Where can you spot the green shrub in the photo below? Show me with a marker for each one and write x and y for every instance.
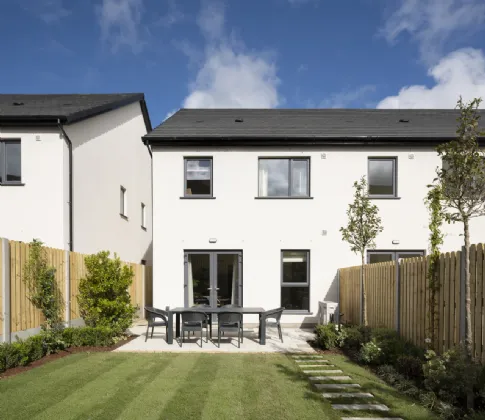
(370, 353)
(34, 348)
(326, 336)
(89, 336)
(103, 298)
(354, 338)
(52, 341)
(410, 366)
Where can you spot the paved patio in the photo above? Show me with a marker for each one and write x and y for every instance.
(294, 341)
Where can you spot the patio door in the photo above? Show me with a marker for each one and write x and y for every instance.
(213, 278)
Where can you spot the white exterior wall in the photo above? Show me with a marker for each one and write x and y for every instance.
(108, 152)
(262, 228)
(36, 209)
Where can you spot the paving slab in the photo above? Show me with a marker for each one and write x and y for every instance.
(372, 418)
(302, 362)
(329, 378)
(311, 372)
(315, 366)
(306, 356)
(358, 407)
(347, 395)
(336, 386)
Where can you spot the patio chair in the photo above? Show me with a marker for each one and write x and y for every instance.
(193, 321)
(153, 314)
(230, 321)
(273, 314)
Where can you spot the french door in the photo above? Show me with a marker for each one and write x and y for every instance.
(213, 278)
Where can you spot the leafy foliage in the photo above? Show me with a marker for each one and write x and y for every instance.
(42, 287)
(326, 336)
(104, 299)
(364, 224)
(370, 353)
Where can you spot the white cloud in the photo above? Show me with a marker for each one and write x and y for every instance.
(170, 113)
(229, 76)
(50, 11)
(347, 97)
(432, 23)
(174, 15)
(120, 24)
(460, 73)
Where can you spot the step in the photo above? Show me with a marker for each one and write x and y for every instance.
(303, 361)
(304, 357)
(372, 418)
(329, 378)
(311, 372)
(315, 366)
(349, 407)
(347, 395)
(336, 386)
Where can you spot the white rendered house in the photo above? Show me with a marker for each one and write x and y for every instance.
(74, 174)
(247, 204)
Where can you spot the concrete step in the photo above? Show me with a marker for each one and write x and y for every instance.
(307, 356)
(347, 395)
(311, 372)
(336, 386)
(372, 418)
(302, 362)
(315, 366)
(358, 407)
(329, 378)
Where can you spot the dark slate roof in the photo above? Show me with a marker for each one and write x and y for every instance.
(303, 124)
(69, 108)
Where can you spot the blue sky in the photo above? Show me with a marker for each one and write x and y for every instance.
(251, 53)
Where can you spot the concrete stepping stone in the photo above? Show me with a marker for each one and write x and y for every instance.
(315, 366)
(307, 357)
(336, 386)
(348, 407)
(329, 378)
(372, 418)
(347, 395)
(311, 372)
(303, 361)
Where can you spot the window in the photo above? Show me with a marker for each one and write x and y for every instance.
(284, 177)
(123, 202)
(382, 177)
(198, 177)
(10, 162)
(295, 284)
(376, 256)
(143, 216)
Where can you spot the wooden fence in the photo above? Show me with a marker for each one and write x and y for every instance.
(17, 312)
(399, 297)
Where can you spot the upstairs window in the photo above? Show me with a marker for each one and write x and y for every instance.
(198, 177)
(284, 177)
(10, 162)
(382, 177)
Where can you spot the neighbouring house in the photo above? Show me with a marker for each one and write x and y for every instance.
(248, 203)
(74, 174)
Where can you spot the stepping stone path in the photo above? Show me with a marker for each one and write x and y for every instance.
(338, 391)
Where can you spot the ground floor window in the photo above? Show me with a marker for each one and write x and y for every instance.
(377, 256)
(295, 280)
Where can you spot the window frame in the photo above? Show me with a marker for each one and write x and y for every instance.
(143, 216)
(394, 176)
(209, 158)
(123, 203)
(3, 163)
(290, 159)
(394, 252)
(293, 284)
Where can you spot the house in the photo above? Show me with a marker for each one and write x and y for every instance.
(74, 174)
(248, 203)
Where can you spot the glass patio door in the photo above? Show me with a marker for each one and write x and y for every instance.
(213, 278)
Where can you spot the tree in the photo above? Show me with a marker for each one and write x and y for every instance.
(462, 182)
(363, 226)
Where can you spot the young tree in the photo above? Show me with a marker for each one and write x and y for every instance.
(462, 182)
(362, 229)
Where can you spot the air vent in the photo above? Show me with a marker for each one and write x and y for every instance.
(403, 120)
(18, 104)
(239, 120)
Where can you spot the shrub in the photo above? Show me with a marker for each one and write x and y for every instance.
(326, 336)
(103, 298)
(410, 366)
(354, 338)
(370, 353)
(52, 341)
(89, 336)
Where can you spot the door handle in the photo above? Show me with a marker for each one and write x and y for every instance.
(217, 288)
(209, 288)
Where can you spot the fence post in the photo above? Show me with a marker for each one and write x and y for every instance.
(67, 270)
(361, 312)
(5, 255)
(398, 297)
(337, 318)
(462, 296)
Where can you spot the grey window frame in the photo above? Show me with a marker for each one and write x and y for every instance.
(143, 216)
(123, 202)
(394, 252)
(394, 175)
(3, 165)
(290, 159)
(306, 284)
(186, 159)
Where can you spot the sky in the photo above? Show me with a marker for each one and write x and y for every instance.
(248, 53)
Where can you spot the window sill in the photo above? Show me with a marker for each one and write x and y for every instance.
(123, 216)
(11, 184)
(289, 312)
(283, 198)
(383, 198)
(197, 198)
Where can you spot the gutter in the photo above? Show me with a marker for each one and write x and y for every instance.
(69, 145)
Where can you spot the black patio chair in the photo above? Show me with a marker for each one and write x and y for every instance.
(273, 314)
(193, 321)
(153, 314)
(230, 321)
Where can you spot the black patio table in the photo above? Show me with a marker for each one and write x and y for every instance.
(210, 311)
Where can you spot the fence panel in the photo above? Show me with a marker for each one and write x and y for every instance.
(350, 294)
(381, 292)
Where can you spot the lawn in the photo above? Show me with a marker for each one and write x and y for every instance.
(179, 386)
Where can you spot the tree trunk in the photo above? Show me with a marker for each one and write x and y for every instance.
(468, 312)
(364, 295)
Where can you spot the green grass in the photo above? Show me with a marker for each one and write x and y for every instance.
(180, 386)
